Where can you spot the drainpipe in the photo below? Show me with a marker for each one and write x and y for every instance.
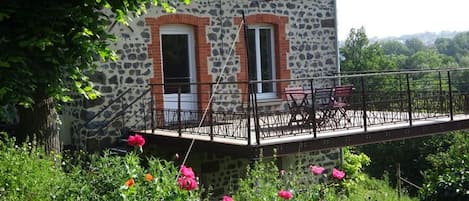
(337, 61)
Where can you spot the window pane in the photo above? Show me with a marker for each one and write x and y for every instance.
(175, 63)
(266, 59)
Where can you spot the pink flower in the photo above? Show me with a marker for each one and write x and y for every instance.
(316, 170)
(338, 174)
(136, 141)
(227, 198)
(285, 194)
(187, 172)
(187, 183)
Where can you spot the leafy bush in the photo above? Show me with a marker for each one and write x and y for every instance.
(264, 181)
(28, 173)
(448, 177)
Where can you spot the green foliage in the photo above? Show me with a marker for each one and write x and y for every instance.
(411, 154)
(28, 173)
(415, 45)
(53, 45)
(354, 163)
(261, 183)
(392, 47)
(430, 59)
(447, 179)
(371, 189)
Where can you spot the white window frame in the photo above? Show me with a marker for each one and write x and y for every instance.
(256, 28)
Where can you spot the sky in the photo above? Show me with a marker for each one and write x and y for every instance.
(383, 18)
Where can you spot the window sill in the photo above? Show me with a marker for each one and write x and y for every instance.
(267, 102)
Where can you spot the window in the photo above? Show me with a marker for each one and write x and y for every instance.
(262, 59)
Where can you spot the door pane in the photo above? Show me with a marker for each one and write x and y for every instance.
(266, 59)
(175, 63)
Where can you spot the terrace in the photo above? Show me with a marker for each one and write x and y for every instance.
(234, 117)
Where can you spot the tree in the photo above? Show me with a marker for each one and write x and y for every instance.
(414, 45)
(393, 47)
(446, 179)
(360, 56)
(429, 59)
(52, 46)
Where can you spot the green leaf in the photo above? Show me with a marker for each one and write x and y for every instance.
(4, 64)
(87, 32)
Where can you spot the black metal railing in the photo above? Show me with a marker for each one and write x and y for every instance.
(230, 110)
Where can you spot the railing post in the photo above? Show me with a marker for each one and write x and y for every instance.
(248, 113)
(440, 97)
(210, 111)
(409, 100)
(144, 114)
(362, 81)
(313, 108)
(256, 118)
(179, 112)
(451, 109)
(152, 108)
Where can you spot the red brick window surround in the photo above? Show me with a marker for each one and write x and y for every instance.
(202, 50)
(282, 46)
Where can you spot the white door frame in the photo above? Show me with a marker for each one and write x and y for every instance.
(188, 100)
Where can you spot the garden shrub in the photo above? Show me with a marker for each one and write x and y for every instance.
(448, 178)
(28, 173)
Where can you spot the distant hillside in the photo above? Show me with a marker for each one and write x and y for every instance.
(428, 38)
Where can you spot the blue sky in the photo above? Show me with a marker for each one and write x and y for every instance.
(382, 18)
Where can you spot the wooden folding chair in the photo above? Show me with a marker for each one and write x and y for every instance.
(323, 102)
(341, 96)
(297, 102)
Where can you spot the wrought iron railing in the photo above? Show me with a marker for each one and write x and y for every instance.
(230, 110)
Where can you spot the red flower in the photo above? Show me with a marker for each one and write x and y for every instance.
(285, 194)
(136, 141)
(316, 170)
(338, 174)
(187, 172)
(148, 177)
(187, 183)
(227, 198)
(129, 183)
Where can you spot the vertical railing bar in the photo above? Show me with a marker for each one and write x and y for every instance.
(440, 97)
(256, 118)
(409, 100)
(313, 108)
(122, 115)
(249, 114)
(365, 124)
(211, 111)
(152, 107)
(179, 112)
(144, 114)
(451, 109)
(401, 97)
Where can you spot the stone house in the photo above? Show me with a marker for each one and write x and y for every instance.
(287, 40)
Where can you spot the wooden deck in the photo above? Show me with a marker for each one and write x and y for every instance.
(306, 141)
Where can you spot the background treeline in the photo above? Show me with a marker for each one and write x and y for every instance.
(438, 164)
